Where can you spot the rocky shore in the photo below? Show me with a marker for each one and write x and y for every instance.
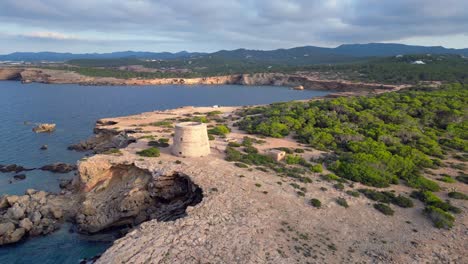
(208, 210)
(305, 81)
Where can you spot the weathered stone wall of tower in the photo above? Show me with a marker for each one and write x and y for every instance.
(191, 140)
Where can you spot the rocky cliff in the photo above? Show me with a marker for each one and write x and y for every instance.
(276, 79)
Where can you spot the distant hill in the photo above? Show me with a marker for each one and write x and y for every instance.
(60, 57)
(294, 56)
(389, 49)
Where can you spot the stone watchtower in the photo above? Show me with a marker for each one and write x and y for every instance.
(191, 140)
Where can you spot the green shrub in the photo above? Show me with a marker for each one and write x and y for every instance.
(298, 150)
(439, 217)
(293, 159)
(211, 137)
(458, 195)
(339, 186)
(250, 149)
(381, 197)
(113, 151)
(462, 178)
(353, 193)
(149, 152)
(316, 168)
(219, 130)
(315, 203)
(342, 202)
(214, 113)
(161, 143)
(163, 123)
(233, 154)
(430, 199)
(234, 144)
(447, 179)
(423, 184)
(287, 150)
(330, 177)
(403, 201)
(384, 209)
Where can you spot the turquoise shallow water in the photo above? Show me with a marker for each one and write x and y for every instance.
(75, 109)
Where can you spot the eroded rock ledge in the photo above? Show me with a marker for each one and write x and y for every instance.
(102, 196)
(307, 81)
(126, 195)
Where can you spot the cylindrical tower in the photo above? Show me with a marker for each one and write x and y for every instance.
(191, 140)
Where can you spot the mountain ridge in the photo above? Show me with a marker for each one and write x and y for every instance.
(320, 54)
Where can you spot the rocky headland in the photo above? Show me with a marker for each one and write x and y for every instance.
(209, 210)
(303, 80)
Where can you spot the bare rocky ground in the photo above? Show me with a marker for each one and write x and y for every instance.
(251, 216)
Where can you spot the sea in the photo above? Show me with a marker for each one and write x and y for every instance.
(75, 109)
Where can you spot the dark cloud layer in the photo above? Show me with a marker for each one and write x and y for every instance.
(216, 24)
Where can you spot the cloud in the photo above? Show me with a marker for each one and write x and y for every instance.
(213, 24)
(50, 35)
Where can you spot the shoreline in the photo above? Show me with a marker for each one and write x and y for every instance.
(304, 81)
(248, 206)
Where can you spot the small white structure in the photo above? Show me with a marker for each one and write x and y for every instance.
(420, 62)
(276, 154)
(191, 140)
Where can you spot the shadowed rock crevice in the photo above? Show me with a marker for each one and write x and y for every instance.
(173, 194)
(125, 195)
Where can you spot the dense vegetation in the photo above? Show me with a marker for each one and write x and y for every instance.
(401, 69)
(393, 70)
(379, 140)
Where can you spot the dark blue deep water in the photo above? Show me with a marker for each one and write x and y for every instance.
(75, 109)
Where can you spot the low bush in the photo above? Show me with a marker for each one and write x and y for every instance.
(315, 203)
(293, 159)
(330, 177)
(430, 199)
(160, 143)
(298, 150)
(353, 193)
(234, 144)
(439, 217)
(162, 124)
(339, 186)
(458, 195)
(113, 151)
(220, 130)
(384, 209)
(423, 184)
(462, 178)
(342, 202)
(381, 197)
(316, 168)
(287, 150)
(403, 201)
(250, 149)
(446, 179)
(149, 152)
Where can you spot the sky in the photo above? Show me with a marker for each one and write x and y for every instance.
(81, 26)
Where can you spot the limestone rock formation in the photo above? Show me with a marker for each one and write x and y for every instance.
(12, 168)
(124, 194)
(104, 140)
(35, 213)
(59, 167)
(43, 128)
